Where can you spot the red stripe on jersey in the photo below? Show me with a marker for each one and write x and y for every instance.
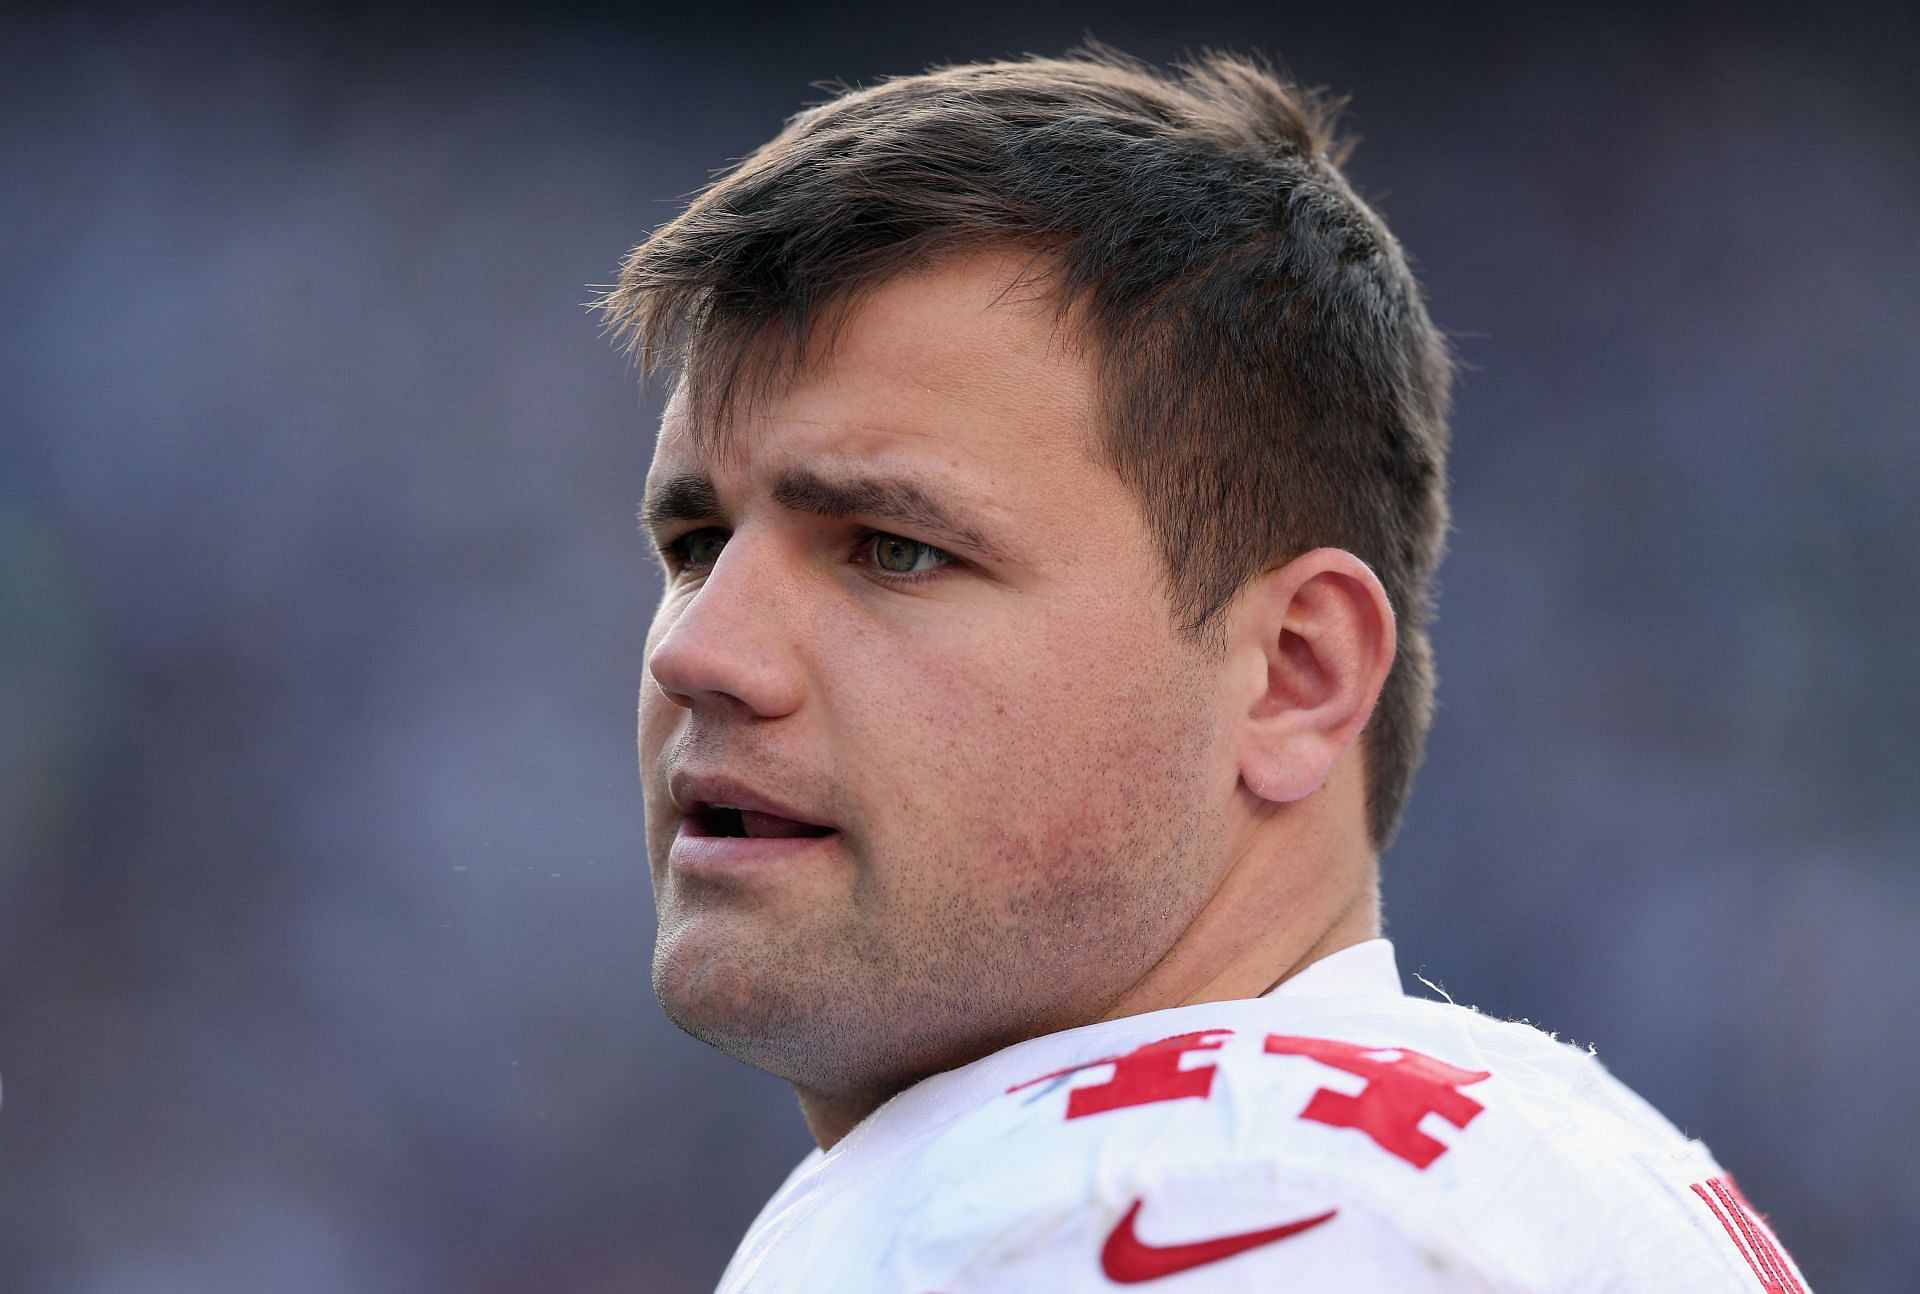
(1750, 1235)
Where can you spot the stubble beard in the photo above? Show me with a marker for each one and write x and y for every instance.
(912, 978)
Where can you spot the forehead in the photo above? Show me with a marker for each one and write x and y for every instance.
(965, 366)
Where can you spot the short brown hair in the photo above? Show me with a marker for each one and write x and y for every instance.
(1270, 381)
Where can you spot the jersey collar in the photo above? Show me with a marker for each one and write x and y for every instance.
(1360, 970)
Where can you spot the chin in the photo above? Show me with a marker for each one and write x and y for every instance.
(777, 1018)
(703, 983)
(733, 1002)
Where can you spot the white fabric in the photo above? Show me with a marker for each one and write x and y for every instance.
(1561, 1179)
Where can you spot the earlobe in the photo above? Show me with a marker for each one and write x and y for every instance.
(1323, 631)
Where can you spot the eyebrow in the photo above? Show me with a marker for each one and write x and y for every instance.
(686, 497)
(691, 497)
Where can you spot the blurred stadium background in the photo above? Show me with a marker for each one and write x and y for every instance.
(324, 921)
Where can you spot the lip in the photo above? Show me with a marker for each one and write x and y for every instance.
(694, 851)
(734, 854)
(695, 793)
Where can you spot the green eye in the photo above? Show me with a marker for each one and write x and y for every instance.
(700, 548)
(899, 556)
(891, 553)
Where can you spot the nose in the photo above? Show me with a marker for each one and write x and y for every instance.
(731, 644)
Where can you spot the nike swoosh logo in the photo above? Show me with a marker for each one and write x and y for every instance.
(1127, 1260)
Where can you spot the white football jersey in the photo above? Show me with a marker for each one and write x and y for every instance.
(1332, 1136)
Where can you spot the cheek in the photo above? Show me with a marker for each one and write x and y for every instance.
(939, 702)
(656, 718)
(657, 715)
(1030, 743)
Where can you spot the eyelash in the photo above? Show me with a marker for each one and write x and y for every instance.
(674, 553)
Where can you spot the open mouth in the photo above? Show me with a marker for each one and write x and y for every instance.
(751, 824)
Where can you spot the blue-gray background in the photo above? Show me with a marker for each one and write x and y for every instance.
(324, 921)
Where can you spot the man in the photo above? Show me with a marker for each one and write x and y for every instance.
(1049, 498)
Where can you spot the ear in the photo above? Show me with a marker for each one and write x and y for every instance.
(1315, 638)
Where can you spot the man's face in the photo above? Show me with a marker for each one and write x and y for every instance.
(910, 616)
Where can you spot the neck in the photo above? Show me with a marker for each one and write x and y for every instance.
(1277, 910)
(831, 1116)
(1303, 884)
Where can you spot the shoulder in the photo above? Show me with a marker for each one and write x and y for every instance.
(1384, 1142)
